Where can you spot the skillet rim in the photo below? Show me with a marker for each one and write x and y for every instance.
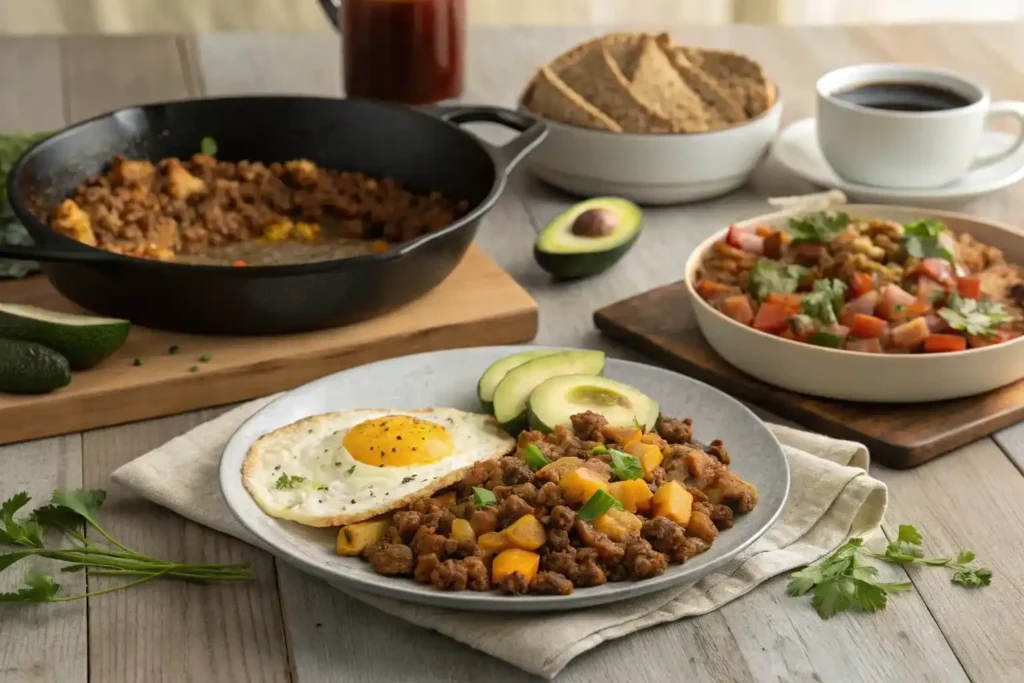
(32, 223)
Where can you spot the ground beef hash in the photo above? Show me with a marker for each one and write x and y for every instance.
(186, 207)
(575, 553)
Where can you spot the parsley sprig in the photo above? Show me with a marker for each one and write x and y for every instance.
(973, 316)
(921, 240)
(67, 513)
(844, 581)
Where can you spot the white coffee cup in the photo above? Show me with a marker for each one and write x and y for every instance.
(908, 149)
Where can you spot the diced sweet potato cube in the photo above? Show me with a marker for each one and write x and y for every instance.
(69, 219)
(634, 494)
(554, 471)
(492, 540)
(526, 533)
(673, 502)
(462, 530)
(125, 171)
(650, 456)
(621, 435)
(180, 183)
(617, 524)
(513, 560)
(354, 538)
(580, 484)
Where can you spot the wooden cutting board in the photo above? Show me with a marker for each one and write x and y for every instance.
(478, 304)
(661, 324)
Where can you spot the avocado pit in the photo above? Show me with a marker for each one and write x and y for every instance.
(595, 223)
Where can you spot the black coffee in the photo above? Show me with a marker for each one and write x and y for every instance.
(903, 97)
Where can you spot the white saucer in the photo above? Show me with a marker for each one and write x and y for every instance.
(797, 149)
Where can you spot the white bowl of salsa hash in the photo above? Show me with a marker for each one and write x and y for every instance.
(869, 303)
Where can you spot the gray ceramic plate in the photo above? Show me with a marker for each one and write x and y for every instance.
(448, 378)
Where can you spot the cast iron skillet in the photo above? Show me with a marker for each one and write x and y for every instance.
(425, 149)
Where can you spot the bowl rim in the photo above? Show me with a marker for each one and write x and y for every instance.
(696, 257)
(675, 137)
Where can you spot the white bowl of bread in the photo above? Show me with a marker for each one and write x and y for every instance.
(637, 116)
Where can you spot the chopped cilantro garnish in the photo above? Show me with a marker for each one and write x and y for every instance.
(137, 362)
(770, 277)
(208, 146)
(286, 482)
(173, 349)
(817, 227)
(205, 358)
(974, 317)
(832, 341)
(625, 466)
(921, 240)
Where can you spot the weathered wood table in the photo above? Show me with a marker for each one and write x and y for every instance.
(287, 626)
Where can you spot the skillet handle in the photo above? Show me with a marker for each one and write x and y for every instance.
(45, 255)
(532, 131)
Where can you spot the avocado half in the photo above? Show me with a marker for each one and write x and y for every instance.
(567, 249)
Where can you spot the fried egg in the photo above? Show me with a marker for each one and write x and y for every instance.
(344, 467)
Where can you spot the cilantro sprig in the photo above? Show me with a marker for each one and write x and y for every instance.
(844, 581)
(921, 240)
(974, 317)
(73, 514)
(821, 227)
(825, 300)
(771, 277)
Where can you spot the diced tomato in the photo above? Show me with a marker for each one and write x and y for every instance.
(867, 326)
(762, 231)
(944, 343)
(791, 301)
(929, 291)
(745, 240)
(969, 287)
(808, 253)
(910, 311)
(937, 269)
(708, 288)
(861, 283)
(738, 307)
(838, 330)
(977, 342)
(909, 334)
(893, 296)
(864, 345)
(771, 318)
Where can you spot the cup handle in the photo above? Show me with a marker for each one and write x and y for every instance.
(331, 9)
(997, 110)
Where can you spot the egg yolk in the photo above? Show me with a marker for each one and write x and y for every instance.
(398, 441)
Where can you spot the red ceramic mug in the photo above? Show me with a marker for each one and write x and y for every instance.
(408, 51)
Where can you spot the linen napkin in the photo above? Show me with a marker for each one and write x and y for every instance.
(831, 498)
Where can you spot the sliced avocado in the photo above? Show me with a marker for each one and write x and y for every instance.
(497, 371)
(555, 399)
(83, 339)
(588, 238)
(513, 391)
(30, 368)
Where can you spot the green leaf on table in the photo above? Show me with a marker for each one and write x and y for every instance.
(84, 502)
(39, 587)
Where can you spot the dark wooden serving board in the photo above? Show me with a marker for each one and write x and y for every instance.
(661, 324)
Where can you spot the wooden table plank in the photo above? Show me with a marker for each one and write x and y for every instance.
(47, 642)
(166, 631)
(40, 643)
(170, 630)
